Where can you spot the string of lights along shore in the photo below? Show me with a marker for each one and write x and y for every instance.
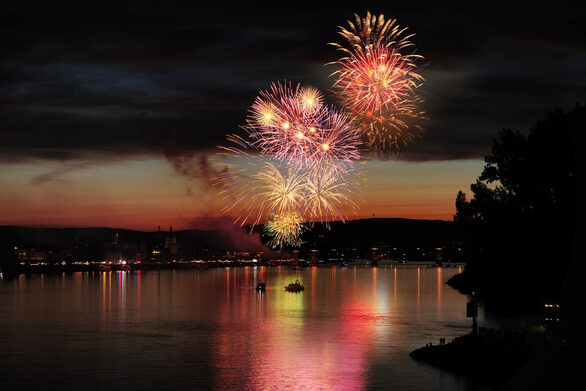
(297, 159)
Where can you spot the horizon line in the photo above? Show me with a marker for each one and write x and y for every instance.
(199, 229)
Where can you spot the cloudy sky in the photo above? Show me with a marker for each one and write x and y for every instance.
(98, 99)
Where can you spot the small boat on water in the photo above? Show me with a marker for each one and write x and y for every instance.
(294, 287)
(260, 285)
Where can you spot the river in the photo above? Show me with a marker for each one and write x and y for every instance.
(350, 329)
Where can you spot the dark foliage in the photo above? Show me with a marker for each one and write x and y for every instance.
(522, 216)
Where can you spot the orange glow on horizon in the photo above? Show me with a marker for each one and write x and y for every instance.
(144, 194)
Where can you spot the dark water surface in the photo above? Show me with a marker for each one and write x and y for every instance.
(351, 329)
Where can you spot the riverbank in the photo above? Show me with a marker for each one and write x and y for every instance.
(531, 359)
(43, 267)
(490, 357)
(102, 267)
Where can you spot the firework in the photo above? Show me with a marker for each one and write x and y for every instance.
(297, 163)
(285, 229)
(392, 129)
(377, 82)
(330, 193)
(276, 192)
(310, 99)
(373, 30)
(293, 125)
(255, 188)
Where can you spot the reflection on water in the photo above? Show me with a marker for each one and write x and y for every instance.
(350, 329)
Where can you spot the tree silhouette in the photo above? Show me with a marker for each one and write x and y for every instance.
(522, 214)
(464, 212)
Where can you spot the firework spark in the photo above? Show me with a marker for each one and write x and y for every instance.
(293, 125)
(285, 229)
(392, 129)
(373, 30)
(377, 82)
(330, 193)
(255, 188)
(298, 163)
(277, 192)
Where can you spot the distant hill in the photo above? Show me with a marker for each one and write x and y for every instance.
(393, 231)
(383, 230)
(356, 236)
(35, 237)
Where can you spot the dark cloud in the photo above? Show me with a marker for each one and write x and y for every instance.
(123, 78)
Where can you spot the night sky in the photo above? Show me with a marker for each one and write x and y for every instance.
(107, 108)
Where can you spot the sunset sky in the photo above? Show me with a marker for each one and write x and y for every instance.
(96, 102)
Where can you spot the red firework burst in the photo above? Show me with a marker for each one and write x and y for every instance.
(293, 125)
(375, 80)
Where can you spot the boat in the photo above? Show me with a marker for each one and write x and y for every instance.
(294, 287)
(260, 285)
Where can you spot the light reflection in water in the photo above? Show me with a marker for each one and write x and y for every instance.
(349, 329)
(418, 288)
(137, 274)
(395, 281)
(122, 293)
(440, 285)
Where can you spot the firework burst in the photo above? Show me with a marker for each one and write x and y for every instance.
(276, 192)
(293, 125)
(285, 229)
(253, 187)
(373, 30)
(296, 164)
(376, 82)
(329, 193)
(393, 129)
(256, 189)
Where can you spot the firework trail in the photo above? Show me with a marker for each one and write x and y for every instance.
(377, 83)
